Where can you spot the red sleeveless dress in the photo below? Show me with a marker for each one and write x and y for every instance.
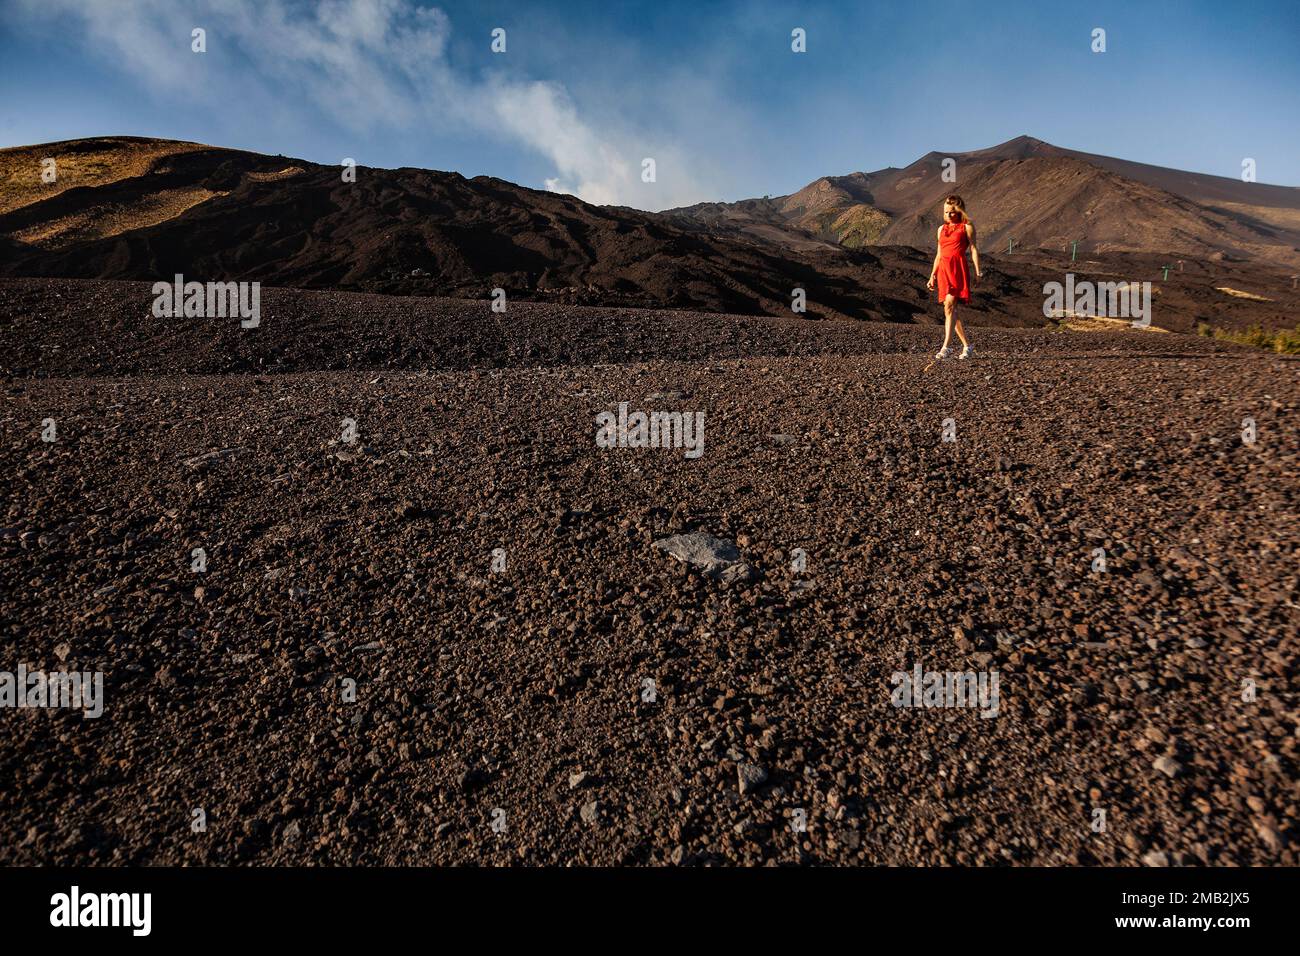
(952, 276)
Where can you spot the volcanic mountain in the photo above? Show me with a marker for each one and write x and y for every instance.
(129, 208)
(1037, 195)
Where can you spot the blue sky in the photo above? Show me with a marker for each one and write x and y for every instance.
(711, 91)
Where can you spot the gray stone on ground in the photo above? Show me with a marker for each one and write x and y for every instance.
(716, 557)
(750, 776)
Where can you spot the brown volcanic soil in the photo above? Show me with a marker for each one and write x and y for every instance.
(81, 163)
(479, 691)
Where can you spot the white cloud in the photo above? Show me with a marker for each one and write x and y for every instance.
(541, 116)
(369, 65)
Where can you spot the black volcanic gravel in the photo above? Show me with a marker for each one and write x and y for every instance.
(74, 328)
(525, 690)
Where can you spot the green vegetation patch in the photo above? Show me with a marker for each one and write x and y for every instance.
(1284, 341)
(860, 225)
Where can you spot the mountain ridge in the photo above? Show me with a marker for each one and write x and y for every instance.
(134, 208)
(1144, 208)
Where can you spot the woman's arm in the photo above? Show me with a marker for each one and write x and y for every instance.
(974, 249)
(938, 251)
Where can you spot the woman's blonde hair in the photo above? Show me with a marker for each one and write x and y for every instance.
(959, 203)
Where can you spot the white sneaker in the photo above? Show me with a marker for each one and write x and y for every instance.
(967, 352)
(943, 353)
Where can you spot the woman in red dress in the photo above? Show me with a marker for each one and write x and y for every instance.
(956, 235)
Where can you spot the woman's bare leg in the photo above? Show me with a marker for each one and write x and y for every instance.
(949, 308)
(961, 333)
